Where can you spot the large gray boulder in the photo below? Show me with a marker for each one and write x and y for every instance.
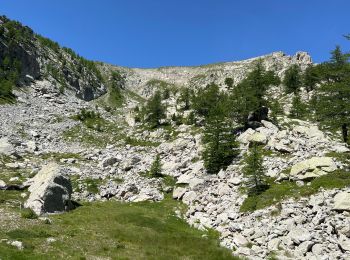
(342, 201)
(50, 191)
(6, 147)
(312, 168)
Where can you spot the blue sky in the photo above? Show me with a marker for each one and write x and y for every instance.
(153, 33)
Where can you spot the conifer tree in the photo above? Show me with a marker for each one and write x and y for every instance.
(292, 79)
(299, 108)
(229, 82)
(333, 97)
(254, 170)
(249, 94)
(185, 97)
(156, 168)
(155, 110)
(220, 143)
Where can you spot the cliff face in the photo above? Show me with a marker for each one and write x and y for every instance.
(40, 58)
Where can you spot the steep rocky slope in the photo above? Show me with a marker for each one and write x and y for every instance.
(145, 81)
(306, 218)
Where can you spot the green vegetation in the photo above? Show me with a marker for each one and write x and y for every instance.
(29, 214)
(288, 189)
(115, 97)
(299, 108)
(333, 96)
(156, 168)
(185, 98)
(293, 79)
(248, 95)
(255, 171)
(220, 144)
(122, 230)
(206, 99)
(229, 83)
(91, 119)
(154, 110)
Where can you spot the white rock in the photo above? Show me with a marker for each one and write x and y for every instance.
(188, 197)
(179, 192)
(342, 201)
(258, 138)
(239, 240)
(2, 184)
(299, 234)
(50, 191)
(273, 244)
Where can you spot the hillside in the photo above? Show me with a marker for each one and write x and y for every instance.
(131, 155)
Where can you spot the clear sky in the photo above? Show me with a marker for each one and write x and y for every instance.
(153, 33)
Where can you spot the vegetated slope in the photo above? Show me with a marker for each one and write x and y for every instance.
(174, 126)
(26, 56)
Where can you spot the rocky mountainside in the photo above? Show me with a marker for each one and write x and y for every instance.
(49, 136)
(146, 81)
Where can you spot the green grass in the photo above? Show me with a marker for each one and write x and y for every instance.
(116, 230)
(288, 189)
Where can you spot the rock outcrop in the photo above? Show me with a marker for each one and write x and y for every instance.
(50, 191)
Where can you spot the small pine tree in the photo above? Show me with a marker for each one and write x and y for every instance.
(229, 82)
(185, 97)
(299, 109)
(254, 170)
(220, 142)
(155, 110)
(156, 168)
(292, 79)
(275, 110)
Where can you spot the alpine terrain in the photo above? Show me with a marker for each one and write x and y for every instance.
(236, 160)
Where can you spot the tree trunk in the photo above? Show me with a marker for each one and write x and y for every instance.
(344, 128)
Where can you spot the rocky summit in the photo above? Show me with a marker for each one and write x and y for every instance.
(77, 135)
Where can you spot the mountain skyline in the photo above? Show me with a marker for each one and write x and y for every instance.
(162, 33)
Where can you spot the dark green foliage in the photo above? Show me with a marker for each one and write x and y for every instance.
(292, 79)
(275, 110)
(248, 95)
(49, 43)
(333, 97)
(299, 108)
(311, 77)
(229, 82)
(156, 168)
(115, 96)
(185, 97)
(255, 171)
(206, 99)
(166, 93)
(155, 110)
(91, 119)
(220, 143)
(10, 70)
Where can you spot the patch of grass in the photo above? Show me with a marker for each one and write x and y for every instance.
(143, 230)
(28, 213)
(288, 189)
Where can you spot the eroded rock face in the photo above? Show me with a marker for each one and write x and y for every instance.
(50, 191)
